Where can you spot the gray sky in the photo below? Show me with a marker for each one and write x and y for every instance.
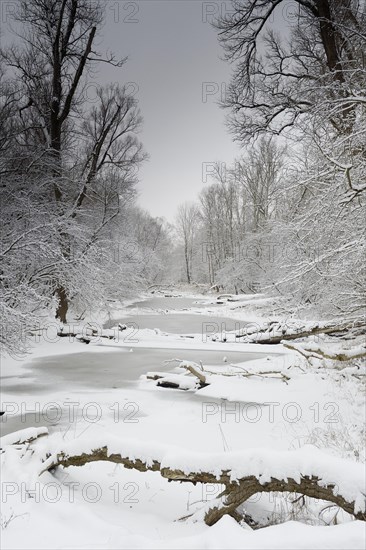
(175, 70)
(173, 51)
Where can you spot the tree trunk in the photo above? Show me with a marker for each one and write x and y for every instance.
(63, 304)
(187, 266)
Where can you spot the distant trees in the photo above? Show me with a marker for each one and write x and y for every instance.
(235, 207)
(187, 226)
(261, 176)
(294, 235)
(222, 216)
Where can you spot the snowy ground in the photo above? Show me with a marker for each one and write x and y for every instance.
(98, 391)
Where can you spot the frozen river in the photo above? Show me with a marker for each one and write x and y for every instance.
(121, 367)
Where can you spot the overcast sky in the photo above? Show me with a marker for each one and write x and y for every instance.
(175, 69)
(173, 51)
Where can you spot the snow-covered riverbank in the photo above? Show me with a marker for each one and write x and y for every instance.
(99, 391)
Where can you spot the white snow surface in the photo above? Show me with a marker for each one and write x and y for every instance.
(209, 429)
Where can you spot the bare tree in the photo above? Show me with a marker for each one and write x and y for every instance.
(280, 82)
(186, 223)
(51, 68)
(307, 84)
(260, 175)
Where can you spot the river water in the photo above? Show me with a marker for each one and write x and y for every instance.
(121, 368)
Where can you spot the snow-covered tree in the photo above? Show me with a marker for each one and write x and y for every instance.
(84, 158)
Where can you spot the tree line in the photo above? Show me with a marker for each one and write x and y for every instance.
(288, 218)
(72, 235)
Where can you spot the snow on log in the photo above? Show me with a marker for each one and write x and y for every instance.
(181, 381)
(22, 436)
(312, 350)
(86, 333)
(307, 471)
(203, 377)
(177, 381)
(275, 332)
(196, 370)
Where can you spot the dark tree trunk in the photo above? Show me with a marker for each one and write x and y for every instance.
(186, 254)
(57, 117)
(63, 304)
(329, 38)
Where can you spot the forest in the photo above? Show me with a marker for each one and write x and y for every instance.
(249, 294)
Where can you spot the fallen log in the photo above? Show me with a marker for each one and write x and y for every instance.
(82, 338)
(179, 382)
(155, 375)
(174, 381)
(308, 472)
(86, 333)
(309, 351)
(170, 385)
(275, 332)
(196, 371)
(22, 437)
(193, 368)
(307, 486)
